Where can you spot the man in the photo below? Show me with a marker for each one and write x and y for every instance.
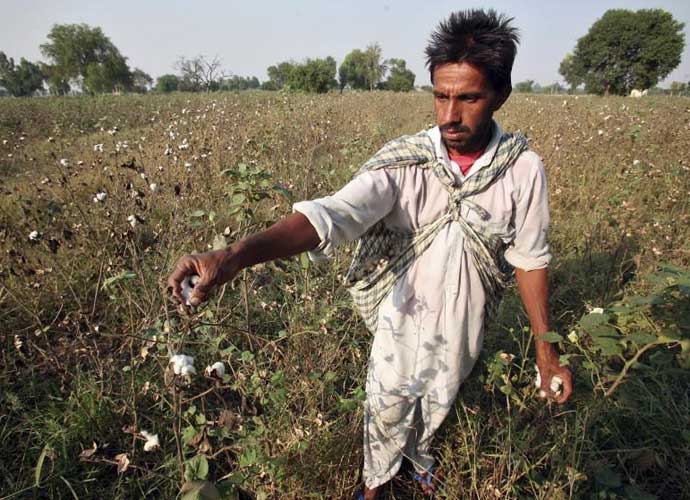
(438, 215)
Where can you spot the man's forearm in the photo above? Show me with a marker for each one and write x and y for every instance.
(290, 236)
(534, 290)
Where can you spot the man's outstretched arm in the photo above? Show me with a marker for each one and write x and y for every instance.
(290, 236)
(534, 291)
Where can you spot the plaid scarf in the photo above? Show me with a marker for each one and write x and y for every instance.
(383, 255)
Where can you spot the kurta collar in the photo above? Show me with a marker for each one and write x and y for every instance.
(442, 153)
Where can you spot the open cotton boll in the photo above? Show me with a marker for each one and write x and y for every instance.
(188, 284)
(188, 370)
(179, 361)
(217, 369)
(152, 441)
(556, 384)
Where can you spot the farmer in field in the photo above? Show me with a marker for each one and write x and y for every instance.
(441, 217)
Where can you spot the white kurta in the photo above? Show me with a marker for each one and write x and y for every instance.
(431, 325)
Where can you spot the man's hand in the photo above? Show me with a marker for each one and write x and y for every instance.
(549, 367)
(534, 290)
(213, 268)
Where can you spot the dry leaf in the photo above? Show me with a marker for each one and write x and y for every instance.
(122, 462)
(89, 451)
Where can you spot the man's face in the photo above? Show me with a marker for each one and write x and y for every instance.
(464, 101)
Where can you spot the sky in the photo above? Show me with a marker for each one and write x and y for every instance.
(249, 36)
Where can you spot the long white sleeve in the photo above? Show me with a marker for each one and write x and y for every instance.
(348, 213)
(530, 249)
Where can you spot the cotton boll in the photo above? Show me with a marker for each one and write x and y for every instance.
(34, 235)
(217, 369)
(180, 361)
(153, 187)
(188, 284)
(556, 385)
(188, 370)
(152, 441)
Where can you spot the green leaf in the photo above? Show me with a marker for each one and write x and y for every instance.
(124, 275)
(39, 466)
(200, 490)
(188, 434)
(197, 213)
(550, 337)
(196, 468)
(284, 191)
(591, 320)
(641, 338)
(238, 199)
(304, 260)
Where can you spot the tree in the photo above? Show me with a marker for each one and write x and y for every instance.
(167, 83)
(362, 69)
(141, 81)
(679, 88)
(525, 87)
(352, 71)
(20, 80)
(199, 73)
(554, 88)
(83, 54)
(110, 75)
(625, 50)
(278, 75)
(400, 79)
(240, 83)
(314, 75)
(374, 68)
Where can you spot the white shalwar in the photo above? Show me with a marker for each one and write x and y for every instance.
(431, 325)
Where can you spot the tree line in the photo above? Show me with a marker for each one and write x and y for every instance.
(622, 51)
(82, 58)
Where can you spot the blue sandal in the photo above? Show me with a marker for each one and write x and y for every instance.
(426, 479)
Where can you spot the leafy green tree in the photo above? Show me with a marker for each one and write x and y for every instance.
(141, 81)
(279, 74)
(314, 75)
(525, 87)
(352, 71)
(167, 83)
(240, 83)
(400, 79)
(22, 79)
(362, 69)
(625, 50)
(79, 52)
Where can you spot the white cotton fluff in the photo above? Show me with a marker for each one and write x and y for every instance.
(217, 369)
(34, 235)
(132, 220)
(153, 187)
(556, 384)
(152, 441)
(179, 361)
(100, 197)
(188, 284)
(188, 370)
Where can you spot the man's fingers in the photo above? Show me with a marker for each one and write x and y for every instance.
(183, 268)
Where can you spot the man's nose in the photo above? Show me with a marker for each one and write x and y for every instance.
(452, 112)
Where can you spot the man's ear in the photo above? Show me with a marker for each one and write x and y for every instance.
(502, 96)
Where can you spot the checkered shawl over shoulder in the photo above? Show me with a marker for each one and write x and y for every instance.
(383, 255)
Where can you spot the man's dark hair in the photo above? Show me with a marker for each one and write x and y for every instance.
(482, 38)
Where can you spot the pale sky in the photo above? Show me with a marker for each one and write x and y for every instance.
(249, 36)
